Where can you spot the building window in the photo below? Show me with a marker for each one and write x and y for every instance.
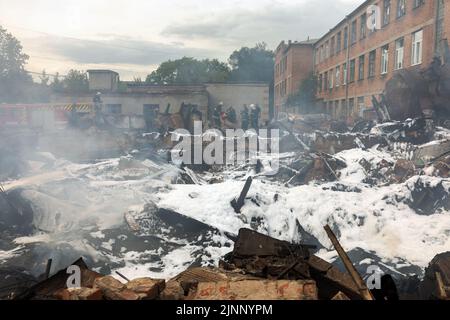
(338, 42)
(416, 55)
(332, 48)
(401, 8)
(353, 39)
(331, 79)
(114, 108)
(320, 83)
(384, 59)
(399, 53)
(418, 3)
(344, 72)
(338, 76)
(345, 37)
(361, 106)
(336, 107)
(372, 57)
(363, 26)
(386, 12)
(373, 20)
(351, 106)
(325, 82)
(343, 107)
(361, 62)
(327, 50)
(352, 71)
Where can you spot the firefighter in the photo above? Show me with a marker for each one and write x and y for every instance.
(245, 118)
(231, 115)
(217, 115)
(255, 111)
(97, 108)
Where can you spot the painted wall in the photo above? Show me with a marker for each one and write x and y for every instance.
(236, 95)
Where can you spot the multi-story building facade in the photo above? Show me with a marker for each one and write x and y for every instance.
(293, 64)
(355, 59)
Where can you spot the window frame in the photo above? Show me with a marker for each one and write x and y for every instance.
(401, 13)
(361, 63)
(354, 32)
(397, 65)
(387, 12)
(415, 59)
(418, 3)
(344, 74)
(363, 26)
(352, 70)
(372, 63)
(384, 59)
(338, 42)
(338, 76)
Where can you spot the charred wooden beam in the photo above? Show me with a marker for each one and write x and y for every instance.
(48, 268)
(362, 288)
(122, 276)
(239, 203)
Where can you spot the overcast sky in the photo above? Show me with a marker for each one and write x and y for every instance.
(134, 36)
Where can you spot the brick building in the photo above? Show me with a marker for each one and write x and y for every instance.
(354, 60)
(293, 64)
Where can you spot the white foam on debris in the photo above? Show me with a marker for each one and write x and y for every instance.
(99, 194)
(8, 254)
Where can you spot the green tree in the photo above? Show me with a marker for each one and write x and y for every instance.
(304, 99)
(252, 64)
(189, 71)
(14, 80)
(57, 85)
(76, 82)
(44, 78)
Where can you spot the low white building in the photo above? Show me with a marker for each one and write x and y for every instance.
(135, 98)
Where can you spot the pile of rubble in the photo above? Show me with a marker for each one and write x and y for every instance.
(404, 164)
(259, 268)
(416, 147)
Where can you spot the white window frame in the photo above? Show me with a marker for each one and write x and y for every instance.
(345, 73)
(338, 76)
(417, 48)
(399, 54)
(384, 59)
(331, 73)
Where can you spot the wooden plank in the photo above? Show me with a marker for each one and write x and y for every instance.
(362, 288)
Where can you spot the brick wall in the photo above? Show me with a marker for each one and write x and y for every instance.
(293, 64)
(338, 99)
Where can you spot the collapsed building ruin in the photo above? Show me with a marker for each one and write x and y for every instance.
(114, 198)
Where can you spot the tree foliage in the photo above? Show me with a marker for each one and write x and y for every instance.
(14, 80)
(189, 71)
(75, 82)
(252, 64)
(45, 79)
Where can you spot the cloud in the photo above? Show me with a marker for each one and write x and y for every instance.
(118, 50)
(270, 23)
